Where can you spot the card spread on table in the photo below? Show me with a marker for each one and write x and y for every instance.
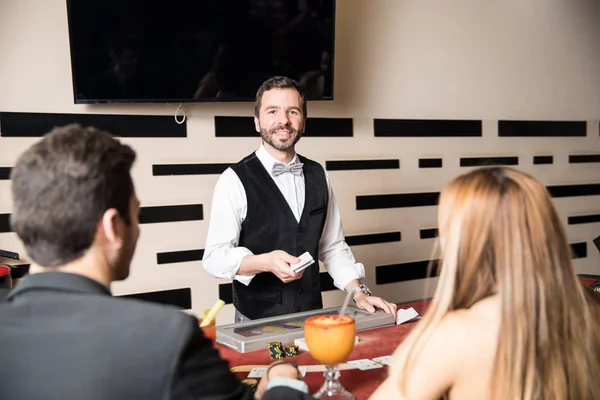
(257, 372)
(384, 360)
(365, 364)
(306, 260)
(403, 315)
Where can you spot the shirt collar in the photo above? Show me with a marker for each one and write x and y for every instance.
(268, 160)
(59, 281)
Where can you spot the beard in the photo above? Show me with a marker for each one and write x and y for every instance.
(272, 138)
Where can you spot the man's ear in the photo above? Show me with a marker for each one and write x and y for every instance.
(256, 124)
(112, 225)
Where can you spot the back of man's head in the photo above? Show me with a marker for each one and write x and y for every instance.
(61, 187)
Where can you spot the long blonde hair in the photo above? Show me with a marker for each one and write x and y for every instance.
(499, 233)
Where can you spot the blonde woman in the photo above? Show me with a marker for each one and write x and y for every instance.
(509, 318)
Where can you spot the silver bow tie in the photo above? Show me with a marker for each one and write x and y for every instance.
(295, 169)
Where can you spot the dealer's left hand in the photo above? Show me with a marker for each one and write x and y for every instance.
(370, 303)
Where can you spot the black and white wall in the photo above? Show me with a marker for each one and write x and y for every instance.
(424, 91)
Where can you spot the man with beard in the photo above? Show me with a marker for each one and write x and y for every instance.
(65, 336)
(270, 208)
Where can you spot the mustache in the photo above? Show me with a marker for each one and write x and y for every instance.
(281, 126)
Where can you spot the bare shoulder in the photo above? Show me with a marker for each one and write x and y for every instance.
(459, 336)
(452, 337)
(462, 342)
(482, 313)
(468, 327)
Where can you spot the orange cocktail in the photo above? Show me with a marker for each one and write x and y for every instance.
(330, 340)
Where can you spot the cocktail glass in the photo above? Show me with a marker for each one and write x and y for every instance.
(330, 340)
(210, 331)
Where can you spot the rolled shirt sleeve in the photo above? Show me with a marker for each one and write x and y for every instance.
(222, 256)
(333, 249)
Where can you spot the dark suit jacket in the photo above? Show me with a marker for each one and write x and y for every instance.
(63, 336)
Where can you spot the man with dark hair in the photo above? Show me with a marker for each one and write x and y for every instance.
(272, 207)
(65, 336)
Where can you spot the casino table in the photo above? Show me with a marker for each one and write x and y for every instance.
(372, 343)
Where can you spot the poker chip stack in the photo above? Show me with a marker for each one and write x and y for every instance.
(277, 351)
(291, 350)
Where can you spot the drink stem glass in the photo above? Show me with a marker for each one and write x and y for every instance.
(332, 386)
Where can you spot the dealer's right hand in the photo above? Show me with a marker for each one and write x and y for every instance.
(278, 262)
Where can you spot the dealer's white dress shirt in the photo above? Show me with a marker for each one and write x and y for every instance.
(222, 254)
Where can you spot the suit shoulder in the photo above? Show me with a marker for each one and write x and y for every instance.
(148, 313)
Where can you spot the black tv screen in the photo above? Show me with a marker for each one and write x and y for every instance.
(198, 50)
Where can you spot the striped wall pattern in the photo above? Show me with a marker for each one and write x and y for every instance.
(396, 131)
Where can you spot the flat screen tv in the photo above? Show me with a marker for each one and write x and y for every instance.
(173, 51)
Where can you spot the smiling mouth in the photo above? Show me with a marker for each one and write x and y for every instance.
(283, 133)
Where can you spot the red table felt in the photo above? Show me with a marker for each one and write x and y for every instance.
(588, 280)
(372, 343)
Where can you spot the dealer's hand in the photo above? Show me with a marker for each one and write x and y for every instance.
(369, 303)
(278, 262)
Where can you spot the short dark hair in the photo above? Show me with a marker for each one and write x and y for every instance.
(279, 82)
(61, 187)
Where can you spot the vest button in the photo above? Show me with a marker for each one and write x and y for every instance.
(300, 230)
(299, 290)
(302, 250)
(298, 308)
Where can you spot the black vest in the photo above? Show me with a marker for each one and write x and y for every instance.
(271, 225)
